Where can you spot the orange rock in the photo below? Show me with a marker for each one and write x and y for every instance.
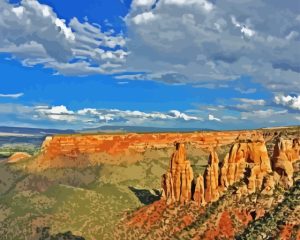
(168, 187)
(269, 185)
(212, 178)
(177, 182)
(223, 180)
(18, 156)
(91, 149)
(199, 191)
(285, 153)
(182, 174)
(252, 155)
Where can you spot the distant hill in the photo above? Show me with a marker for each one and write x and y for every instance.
(139, 129)
(15, 131)
(33, 131)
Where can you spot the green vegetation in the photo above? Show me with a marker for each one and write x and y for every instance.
(9, 149)
(88, 202)
(44, 234)
(269, 225)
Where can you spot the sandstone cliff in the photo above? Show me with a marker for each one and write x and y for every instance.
(90, 149)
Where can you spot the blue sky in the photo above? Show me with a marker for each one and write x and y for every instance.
(165, 63)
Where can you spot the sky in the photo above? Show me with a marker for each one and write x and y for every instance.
(231, 64)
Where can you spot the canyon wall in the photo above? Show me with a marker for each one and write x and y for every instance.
(90, 149)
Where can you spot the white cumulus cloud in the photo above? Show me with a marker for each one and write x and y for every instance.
(292, 102)
(33, 33)
(173, 41)
(223, 42)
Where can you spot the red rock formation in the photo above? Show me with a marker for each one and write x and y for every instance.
(212, 178)
(90, 149)
(177, 182)
(18, 156)
(258, 156)
(251, 155)
(235, 164)
(199, 191)
(168, 187)
(285, 153)
(223, 175)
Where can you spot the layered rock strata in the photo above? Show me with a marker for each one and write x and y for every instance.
(90, 149)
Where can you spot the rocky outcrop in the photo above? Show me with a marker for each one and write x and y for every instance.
(223, 174)
(269, 185)
(80, 150)
(247, 160)
(18, 156)
(250, 158)
(168, 187)
(260, 165)
(253, 197)
(199, 191)
(212, 178)
(177, 182)
(234, 164)
(286, 152)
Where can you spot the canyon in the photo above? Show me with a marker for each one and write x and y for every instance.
(199, 185)
(242, 187)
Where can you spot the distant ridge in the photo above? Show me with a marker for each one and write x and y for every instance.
(140, 129)
(33, 131)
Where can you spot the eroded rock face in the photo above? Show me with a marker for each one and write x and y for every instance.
(79, 150)
(234, 164)
(223, 178)
(247, 164)
(286, 152)
(199, 191)
(168, 187)
(251, 156)
(212, 178)
(258, 156)
(177, 182)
